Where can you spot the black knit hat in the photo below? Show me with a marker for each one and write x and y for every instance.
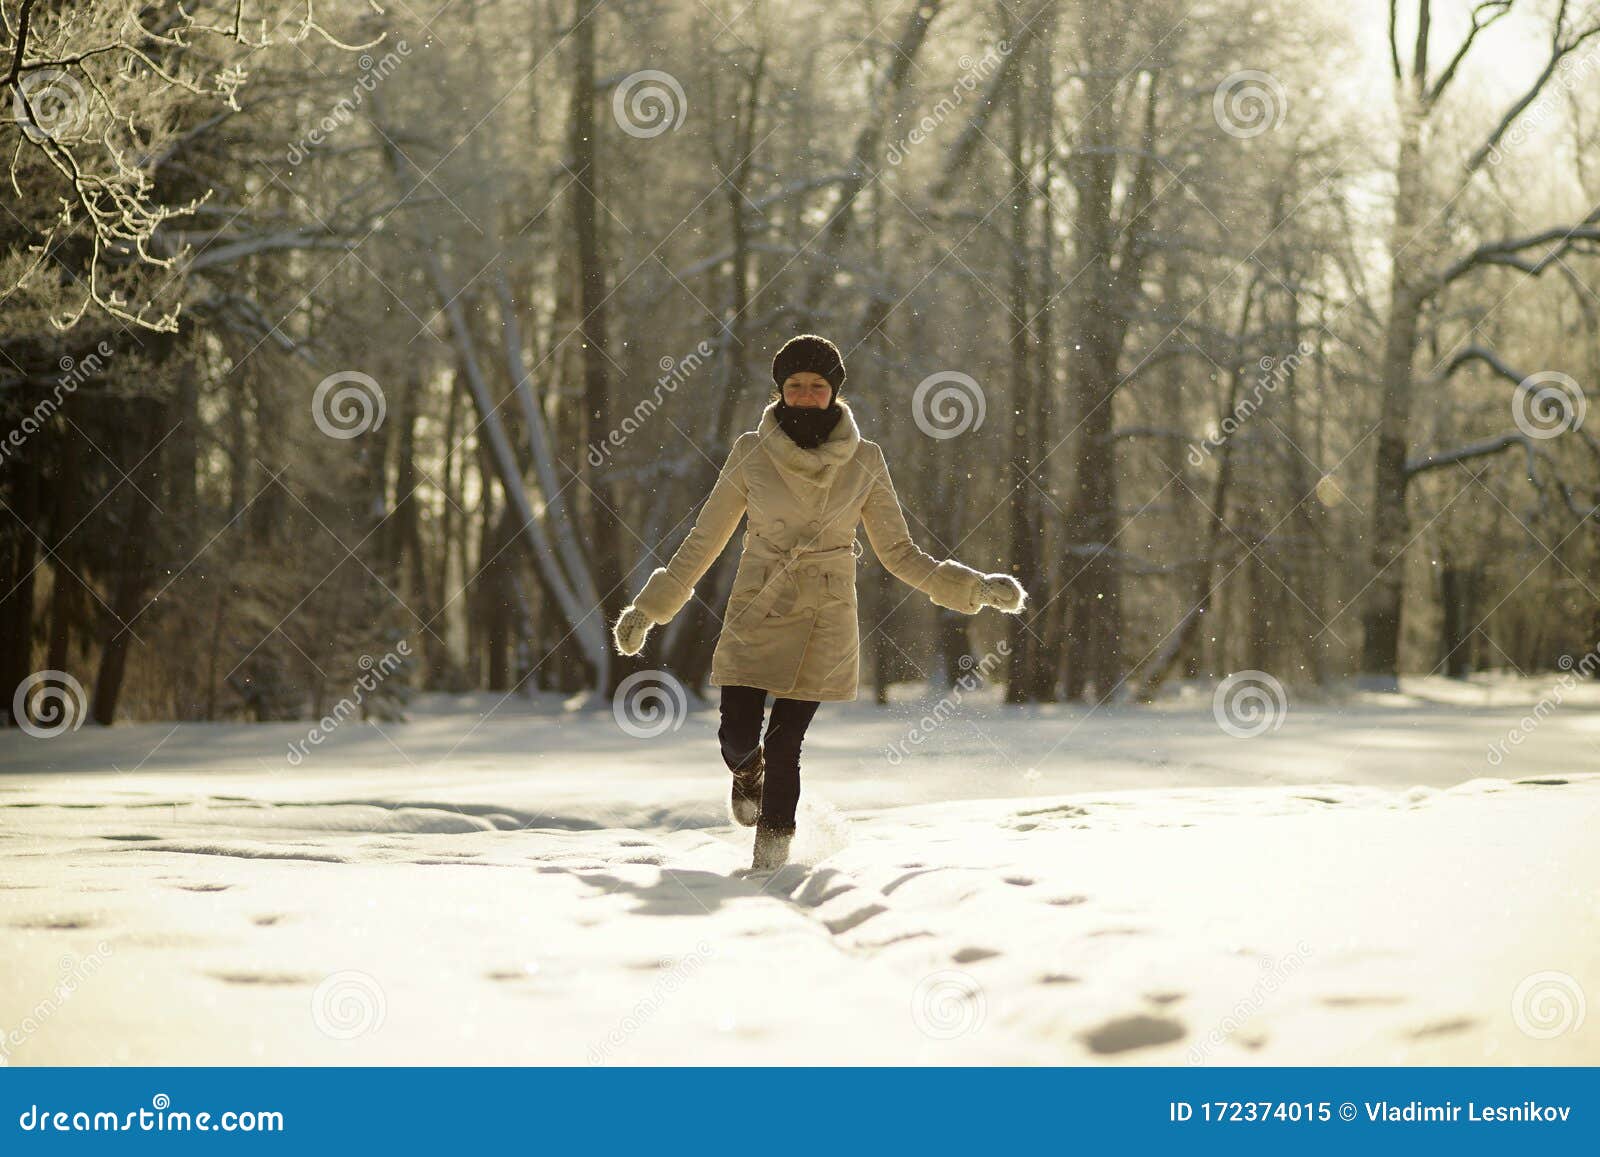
(809, 353)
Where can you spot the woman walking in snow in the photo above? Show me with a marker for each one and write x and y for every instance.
(806, 477)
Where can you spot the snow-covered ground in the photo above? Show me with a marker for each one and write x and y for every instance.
(1363, 884)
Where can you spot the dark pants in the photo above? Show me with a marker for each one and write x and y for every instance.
(740, 735)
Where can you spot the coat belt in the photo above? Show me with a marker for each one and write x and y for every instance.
(764, 548)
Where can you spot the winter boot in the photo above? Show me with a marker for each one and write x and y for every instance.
(772, 847)
(744, 804)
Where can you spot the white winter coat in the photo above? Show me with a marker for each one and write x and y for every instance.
(791, 622)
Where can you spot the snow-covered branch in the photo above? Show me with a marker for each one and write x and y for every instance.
(1439, 459)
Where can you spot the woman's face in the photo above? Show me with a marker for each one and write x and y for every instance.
(807, 389)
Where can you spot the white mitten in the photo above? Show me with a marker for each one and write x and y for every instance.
(1002, 592)
(630, 630)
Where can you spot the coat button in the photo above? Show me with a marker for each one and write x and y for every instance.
(812, 569)
(813, 526)
(777, 524)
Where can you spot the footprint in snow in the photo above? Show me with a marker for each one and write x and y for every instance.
(1125, 1033)
(276, 979)
(973, 955)
(55, 924)
(1360, 1001)
(854, 919)
(1442, 1028)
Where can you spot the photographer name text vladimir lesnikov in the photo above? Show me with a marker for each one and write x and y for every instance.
(1413, 1111)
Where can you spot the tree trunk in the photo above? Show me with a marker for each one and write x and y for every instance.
(1108, 286)
(1024, 515)
(1457, 598)
(1381, 617)
(604, 536)
(16, 609)
(132, 578)
(1040, 678)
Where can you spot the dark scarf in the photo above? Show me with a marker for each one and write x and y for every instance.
(807, 426)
